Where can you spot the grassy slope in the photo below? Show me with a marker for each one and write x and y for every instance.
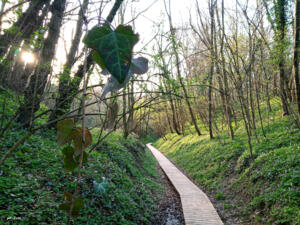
(33, 180)
(268, 189)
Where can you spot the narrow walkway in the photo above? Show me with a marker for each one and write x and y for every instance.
(197, 208)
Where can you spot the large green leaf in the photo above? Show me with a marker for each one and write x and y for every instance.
(114, 48)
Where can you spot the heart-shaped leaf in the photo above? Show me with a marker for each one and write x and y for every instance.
(77, 138)
(77, 206)
(64, 131)
(98, 60)
(70, 160)
(114, 48)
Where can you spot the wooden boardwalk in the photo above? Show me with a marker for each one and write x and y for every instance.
(197, 208)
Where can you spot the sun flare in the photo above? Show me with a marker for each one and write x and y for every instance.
(28, 57)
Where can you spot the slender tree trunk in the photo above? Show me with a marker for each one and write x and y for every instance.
(125, 121)
(296, 55)
(212, 66)
(258, 109)
(175, 123)
(282, 26)
(168, 118)
(3, 3)
(186, 97)
(227, 109)
(65, 81)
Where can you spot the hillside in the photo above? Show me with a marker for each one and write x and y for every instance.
(33, 180)
(265, 191)
(120, 183)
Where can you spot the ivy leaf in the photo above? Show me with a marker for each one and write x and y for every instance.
(98, 60)
(114, 48)
(71, 161)
(101, 188)
(77, 206)
(77, 138)
(84, 159)
(64, 131)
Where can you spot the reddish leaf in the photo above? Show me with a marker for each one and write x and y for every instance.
(77, 138)
(67, 197)
(64, 131)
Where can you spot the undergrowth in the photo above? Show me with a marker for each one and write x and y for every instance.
(268, 189)
(33, 180)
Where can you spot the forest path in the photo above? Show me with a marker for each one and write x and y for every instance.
(196, 206)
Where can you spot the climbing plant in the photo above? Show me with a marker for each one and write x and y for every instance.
(71, 135)
(112, 50)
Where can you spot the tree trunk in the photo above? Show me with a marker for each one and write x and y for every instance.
(282, 26)
(3, 3)
(62, 105)
(296, 55)
(212, 66)
(35, 90)
(186, 97)
(21, 71)
(25, 25)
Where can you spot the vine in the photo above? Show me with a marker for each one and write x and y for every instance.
(112, 51)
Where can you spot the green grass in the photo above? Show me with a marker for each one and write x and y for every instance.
(33, 180)
(268, 188)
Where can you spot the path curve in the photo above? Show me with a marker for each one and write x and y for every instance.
(196, 206)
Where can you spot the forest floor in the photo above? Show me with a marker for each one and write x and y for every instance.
(263, 191)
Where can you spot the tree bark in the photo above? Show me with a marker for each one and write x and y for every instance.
(296, 55)
(212, 66)
(35, 90)
(21, 71)
(282, 26)
(66, 87)
(25, 25)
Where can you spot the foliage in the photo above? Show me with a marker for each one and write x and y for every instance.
(268, 189)
(33, 179)
(113, 48)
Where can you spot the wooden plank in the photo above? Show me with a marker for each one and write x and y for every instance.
(197, 208)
